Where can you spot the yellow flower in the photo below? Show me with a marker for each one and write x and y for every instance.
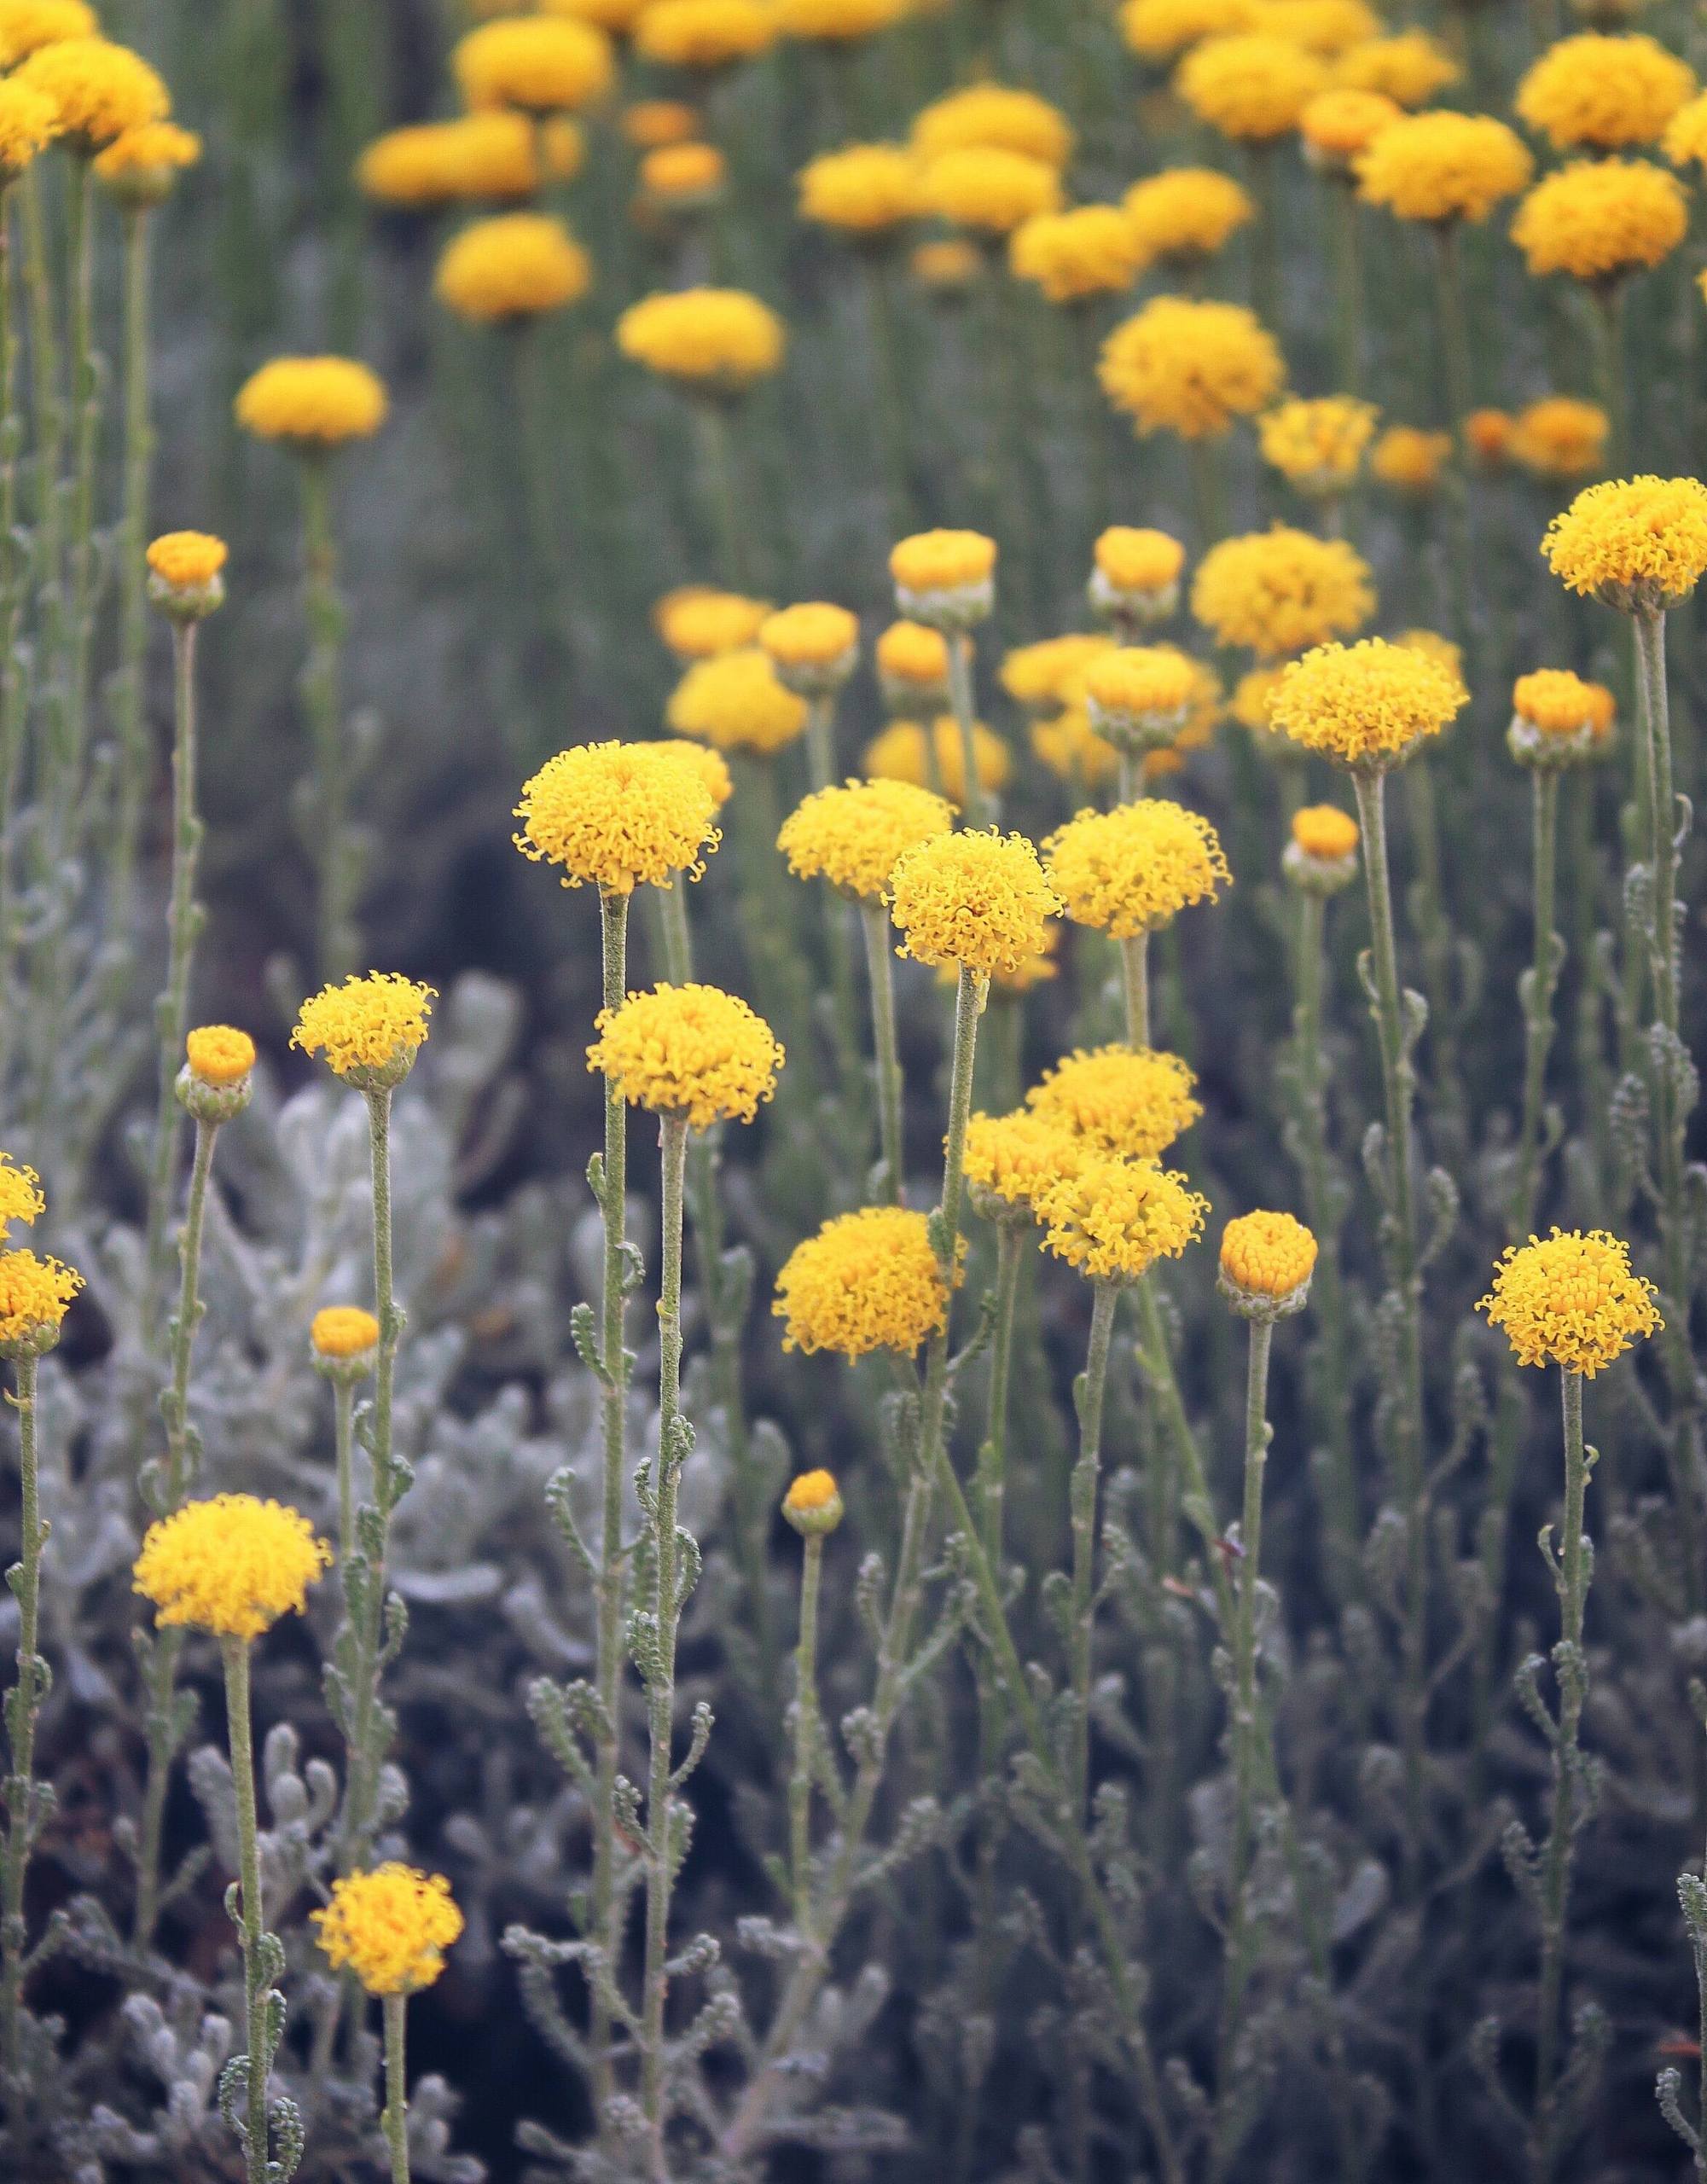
(1090, 251)
(868, 1281)
(218, 1054)
(900, 754)
(29, 122)
(1686, 134)
(491, 157)
(993, 117)
(618, 17)
(1559, 437)
(838, 22)
(1409, 459)
(706, 765)
(977, 900)
(35, 1293)
(705, 34)
(343, 1331)
(735, 701)
(141, 166)
(913, 666)
(1135, 573)
(1036, 970)
(540, 64)
(949, 268)
(1633, 542)
(852, 836)
(312, 401)
(1190, 368)
(369, 1028)
(944, 578)
(390, 1927)
(1443, 167)
(863, 190)
(1250, 86)
(985, 188)
(232, 1565)
(691, 1051)
(1326, 27)
(1557, 718)
(1071, 749)
(26, 24)
(1266, 1260)
(1184, 214)
(1280, 590)
(100, 90)
(1441, 650)
(1138, 695)
(1010, 1158)
(1156, 30)
(617, 816)
(1041, 676)
(1408, 67)
(1324, 832)
(1131, 870)
(1132, 1100)
(812, 646)
(1113, 1218)
(186, 561)
(513, 267)
(1250, 696)
(1597, 219)
(21, 1194)
(1572, 1300)
(1318, 444)
(1366, 704)
(720, 338)
(813, 1504)
(650, 123)
(1603, 92)
(1488, 434)
(1338, 124)
(684, 175)
(698, 622)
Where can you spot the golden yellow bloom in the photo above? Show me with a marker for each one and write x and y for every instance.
(993, 117)
(735, 701)
(1325, 27)
(1043, 676)
(900, 754)
(539, 64)
(1572, 1300)
(515, 266)
(1113, 1218)
(312, 401)
(1036, 970)
(705, 34)
(944, 578)
(1266, 1260)
(987, 189)
(232, 1565)
(1190, 368)
(1010, 1158)
(947, 268)
(813, 1504)
(99, 89)
(1138, 695)
(186, 561)
(617, 816)
(26, 24)
(838, 22)
(1136, 573)
(1131, 870)
(371, 1026)
(1088, 251)
(141, 166)
(1324, 832)
(912, 665)
(618, 17)
(343, 1331)
(1156, 30)
(863, 190)
(1131, 1100)
(697, 621)
(1410, 459)
(1559, 437)
(35, 1295)
(29, 122)
(1632, 542)
(1250, 696)
(1318, 444)
(707, 766)
(684, 175)
(1488, 434)
(1408, 67)
(691, 1051)
(493, 157)
(1605, 93)
(1185, 214)
(21, 1194)
(1366, 704)
(1252, 87)
(1443, 167)
(1441, 650)
(1338, 124)
(1280, 590)
(722, 340)
(1685, 133)
(1067, 744)
(650, 123)
(980, 901)
(1557, 718)
(868, 1281)
(390, 1927)
(218, 1054)
(812, 646)
(1598, 218)
(852, 836)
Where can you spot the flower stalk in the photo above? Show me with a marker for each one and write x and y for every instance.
(1089, 1397)
(394, 2117)
(880, 968)
(184, 921)
(961, 704)
(332, 851)
(26, 1802)
(263, 2009)
(1536, 995)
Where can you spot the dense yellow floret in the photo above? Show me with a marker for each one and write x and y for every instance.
(1132, 1100)
(1596, 219)
(1185, 213)
(29, 122)
(1340, 123)
(680, 176)
(1560, 435)
(989, 191)
(1010, 1158)
(1324, 832)
(1252, 86)
(514, 266)
(914, 656)
(1443, 167)
(811, 1492)
(617, 816)
(21, 1194)
(1686, 134)
(1366, 704)
(862, 189)
(1090, 251)
(1318, 443)
(834, 22)
(721, 339)
(1556, 702)
(1137, 560)
(1187, 367)
(995, 117)
(650, 123)
(1410, 459)
(901, 753)
(691, 1051)
(1113, 1218)
(141, 166)
(978, 900)
(735, 701)
(371, 1021)
(1605, 93)
(1326, 27)
(100, 90)
(942, 560)
(1043, 676)
(812, 634)
(232, 1565)
(541, 64)
(1571, 1299)
(491, 157)
(1408, 67)
(26, 24)
(185, 561)
(1633, 541)
(852, 836)
(343, 1331)
(868, 1281)
(219, 1055)
(35, 1295)
(697, 621)
(705, 34)
(315, 401)
(709, 767)
(390, 1927)
(1158, 30)
(1270, 1256)
(1131, 870)
(1281, 590)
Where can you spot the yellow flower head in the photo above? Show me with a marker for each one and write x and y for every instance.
(1558, 702)
(1190, 368)
(515, 266)
(1089, 250)
(312, 401)
(184, 576)
(100, 90)
(29, 122)
(812, 646)
(539, 64)
(1072, 750)
(722, 340)
(1252, 86)
(21, 1194)
(1318, 444)
(1572, 1301)
(1443, 167)
(705, 34)
(838, 22)
(901, 753)
(683, 176)
(493, 157)
(1132, 869)
(1138, 696)
(868, 1281)
(1043, 676)
(618, 17)
(1324, 834)
(913, 666)
(1266, 1260)
(390, 1927)
(1136, 573)
(232, 1565)
(343, 1331)
(1598, 218)
(1340, 123)
(863, 190)
(649, 124)
(944, 578)
(852, 836)
(977, 900)
(617, 816)
(1441, 650)
(706, 765)
(735, 701)
(1488, 434)
(1250, 696)
(1686, 134)
(1280, 590)
(1036, 970)
(1559, 437)
(1408, 67)
(1185, 214)
(1605, 93)
(369, 1028)
(947, 268)
(1367, 704)
(26, 24)
(987, 189)
(35, 1293)
(691, 1051)
(1113, 1218)
(813, 1504)
(993, 117)
(1011, 1159)
(1326, 27)
(698, 622)
(1632, 542)
(141, 166)
(1409, 459)
(219, 1055)
(1132, 1100)
(1158, 30)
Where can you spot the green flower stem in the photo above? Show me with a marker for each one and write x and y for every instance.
(540, 438)
(1456, 398)
(1134, 973)
(1010, 1240)
(717, 463)
(47, 399)
(880, 968)
(1536, 995)
(890, 409)
(252, 1923)
(344, 1441)
(139, 447)
(85, 408)
(184, 918)
(807, 1733)
(1348, 280)
(1606, 321)
(820, 740)
(394, 2117)
(1088, 1397)
(960, 702)
(1434, 929)
(1208, 494)
(332, 850)
(13, 583)
(677, 942)
(24, 1805)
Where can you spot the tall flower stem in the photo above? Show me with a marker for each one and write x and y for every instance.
(874, 926)
(133, 741)
(185, 918)
(1010, 1240)
(1536, 993)
(807, 1733)
(394, 2117)
(1134, 973)
(47, 400)
(820, 738)
(1347, 281)
(24, 1802)
(1456, 398)
(344, 1445)
(1606, 321)
(333, 852)
(961, 702)
(716, 461)
(1088, 1396)
(85, 410)
(13, 583)
(252, 1923)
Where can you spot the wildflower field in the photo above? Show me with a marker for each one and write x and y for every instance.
(849, 1254)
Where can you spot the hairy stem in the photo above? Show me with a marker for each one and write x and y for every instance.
(23, 1707)
(252, 1926)
(184, 925)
